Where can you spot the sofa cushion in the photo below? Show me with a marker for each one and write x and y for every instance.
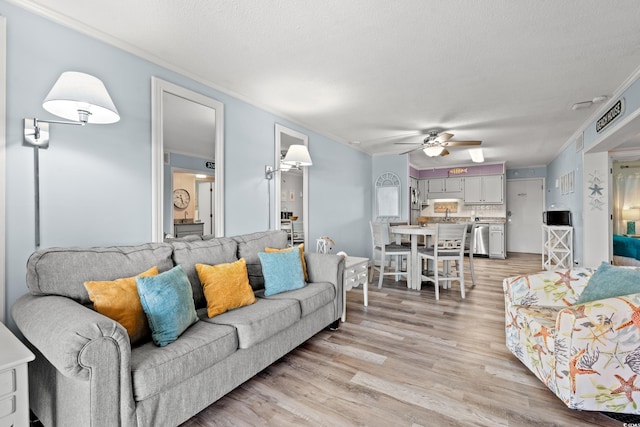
(257, 322)
(119, 300)
(311, 297)
(250, 244)
(155, 369)
(63, 271)
(609, 281)
(211, 251)
(282, 271)
(226, 286)
(167, 301)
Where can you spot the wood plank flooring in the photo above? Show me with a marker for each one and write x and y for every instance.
(406, 360)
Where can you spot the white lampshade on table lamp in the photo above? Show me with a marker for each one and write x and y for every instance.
(78, 97)
(631, 215)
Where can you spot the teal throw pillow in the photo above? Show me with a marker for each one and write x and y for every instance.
(609, 281)
(282, 271)
(167, 300)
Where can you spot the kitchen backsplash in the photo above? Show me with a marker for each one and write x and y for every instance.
(470, 211)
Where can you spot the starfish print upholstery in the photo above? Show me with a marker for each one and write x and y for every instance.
(626, 386)
(566, 279)
(635, 317)
(574, 369)
(544, 333)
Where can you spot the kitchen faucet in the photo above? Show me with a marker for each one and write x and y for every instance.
(446, 214)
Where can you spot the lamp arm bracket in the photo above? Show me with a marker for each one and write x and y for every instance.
(58, 122)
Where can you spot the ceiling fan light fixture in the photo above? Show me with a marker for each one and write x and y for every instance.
(476, 155)
(433, 150)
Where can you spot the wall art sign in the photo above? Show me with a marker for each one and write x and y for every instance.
(613, 113)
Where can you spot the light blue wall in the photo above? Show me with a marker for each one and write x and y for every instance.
(96, 180)
(522, 173)
(569, 160)
(565, 162)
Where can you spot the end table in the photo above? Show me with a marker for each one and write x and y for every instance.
(356, 272)
(14, 381)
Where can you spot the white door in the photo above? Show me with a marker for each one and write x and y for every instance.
(525, 203)
(205, 205)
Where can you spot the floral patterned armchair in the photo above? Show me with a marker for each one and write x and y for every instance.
(587, 354)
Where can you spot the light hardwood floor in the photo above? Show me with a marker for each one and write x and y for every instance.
(406, 360)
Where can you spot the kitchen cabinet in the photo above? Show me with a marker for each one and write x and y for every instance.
(445, 188)
(488, 189)
(497, 241)
(445, 185)
(187, 229)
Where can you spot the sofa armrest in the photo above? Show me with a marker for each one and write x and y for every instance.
(597, 347)
(84, 345)
(327, 268)
(557, 288)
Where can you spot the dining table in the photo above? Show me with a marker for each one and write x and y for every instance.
(414, 231)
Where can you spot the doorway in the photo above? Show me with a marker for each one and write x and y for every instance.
(525, 203)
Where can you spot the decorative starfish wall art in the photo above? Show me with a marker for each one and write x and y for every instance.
(596, 190)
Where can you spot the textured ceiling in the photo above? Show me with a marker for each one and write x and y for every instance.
(502, 71)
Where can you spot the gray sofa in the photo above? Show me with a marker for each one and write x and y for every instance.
(87, 374)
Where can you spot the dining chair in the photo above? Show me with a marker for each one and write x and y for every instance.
(297, 231)
(285, 224)
(401, 239)
(469, 246)
(382, 245)
(448, 247)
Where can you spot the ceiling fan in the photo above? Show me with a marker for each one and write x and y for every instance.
(436, 142)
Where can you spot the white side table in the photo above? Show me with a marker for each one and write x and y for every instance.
(356, 272)
(557, 247)
(14, 382)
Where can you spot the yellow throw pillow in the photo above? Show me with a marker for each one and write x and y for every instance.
(119, 300)
(301, 248)
(225, 286)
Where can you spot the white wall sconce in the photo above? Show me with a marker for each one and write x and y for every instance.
(297, 157)
(78, 97)
(476, 155)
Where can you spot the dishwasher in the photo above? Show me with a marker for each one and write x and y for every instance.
(481, 239)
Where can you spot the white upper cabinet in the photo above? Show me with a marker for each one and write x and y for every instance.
(487, 189)
(445, 185)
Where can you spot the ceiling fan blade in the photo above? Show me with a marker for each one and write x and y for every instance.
(411, 151)
(445, 152)
(443, 137)
(408, 143)
(462, 143)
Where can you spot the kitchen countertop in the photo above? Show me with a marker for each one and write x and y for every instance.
(481, 220)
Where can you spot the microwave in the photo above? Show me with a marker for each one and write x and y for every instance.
(556, 217)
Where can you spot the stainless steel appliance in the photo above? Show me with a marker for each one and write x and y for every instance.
(481, 238)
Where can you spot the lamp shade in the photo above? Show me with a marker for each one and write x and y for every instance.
(631, 214)
(433, 150)
(81, 97)
(297, 155)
